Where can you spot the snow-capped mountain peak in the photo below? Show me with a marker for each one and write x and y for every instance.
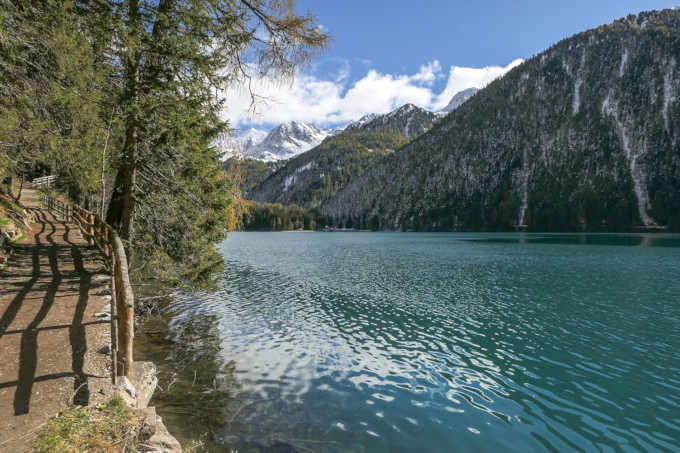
(409, 120)
(358, 123)
(289, 139)
(250, 139)
(283, 142)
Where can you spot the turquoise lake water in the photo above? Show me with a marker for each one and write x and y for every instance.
(408, 342)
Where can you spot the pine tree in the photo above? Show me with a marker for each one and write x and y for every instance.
(53, 92)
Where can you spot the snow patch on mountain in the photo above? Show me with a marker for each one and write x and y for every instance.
(458, 99)
(667, 92)
(352, 125)
(624, 62)
(408, 120)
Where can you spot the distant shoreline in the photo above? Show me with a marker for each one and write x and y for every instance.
(637, 231)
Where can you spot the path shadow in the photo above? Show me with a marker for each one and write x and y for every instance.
(28, 355)
(13, 308)
(77, 335)
(59, 255)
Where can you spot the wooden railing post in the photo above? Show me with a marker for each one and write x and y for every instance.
(114, 328)
(90, 229)
(126, 310)
(105, 241)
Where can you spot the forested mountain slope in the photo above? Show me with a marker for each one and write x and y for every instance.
(251, 171)
(583, 136)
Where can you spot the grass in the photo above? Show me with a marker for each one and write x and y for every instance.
(108, 427)
(4, 221)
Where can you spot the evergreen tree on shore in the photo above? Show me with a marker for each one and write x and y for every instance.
(122, 98)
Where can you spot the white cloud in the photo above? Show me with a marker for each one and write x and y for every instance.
(428, 73)
(461, 78)
(330, 100)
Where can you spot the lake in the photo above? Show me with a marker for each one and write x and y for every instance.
(410, 342)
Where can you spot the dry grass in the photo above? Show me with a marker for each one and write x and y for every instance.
(108, 427)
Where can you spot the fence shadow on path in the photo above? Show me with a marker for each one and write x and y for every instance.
(51, 268)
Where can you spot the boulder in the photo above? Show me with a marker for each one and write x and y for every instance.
(161, 441)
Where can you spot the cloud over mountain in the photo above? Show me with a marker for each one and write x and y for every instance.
(333, 99)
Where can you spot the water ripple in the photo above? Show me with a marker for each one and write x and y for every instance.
(419, 342)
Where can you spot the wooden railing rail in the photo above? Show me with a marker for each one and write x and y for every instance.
(59, 206)
(44, 181)
(98, 233)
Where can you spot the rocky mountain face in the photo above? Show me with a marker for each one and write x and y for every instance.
(287, 140)
(458, 99)
(408, 120)
(354, 125)
(249, 141)
(243, 145)
(585, 136)
(312, 177)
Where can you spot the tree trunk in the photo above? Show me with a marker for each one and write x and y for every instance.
(121, 212)
(127, 227)
(114, 213)
(9, 180)
(21, 186)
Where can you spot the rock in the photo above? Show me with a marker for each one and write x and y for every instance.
(145, 381)
(154, 435)
(103, 292)
(125, 384)
(149, 424)
(106, 299)
(103, 315)
(162, 441)
(126, 391)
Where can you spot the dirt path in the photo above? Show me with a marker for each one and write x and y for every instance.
(48, 332)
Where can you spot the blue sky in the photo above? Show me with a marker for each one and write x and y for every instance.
(386, 53)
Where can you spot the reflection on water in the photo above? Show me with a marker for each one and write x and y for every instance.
(427, 342)
(196, 385)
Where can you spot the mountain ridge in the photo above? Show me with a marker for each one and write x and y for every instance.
(311, 177)
(281, 144)
(582, 136)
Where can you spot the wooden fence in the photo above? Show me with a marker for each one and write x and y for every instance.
(58, 206)
(99, 234)
(44, 181)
